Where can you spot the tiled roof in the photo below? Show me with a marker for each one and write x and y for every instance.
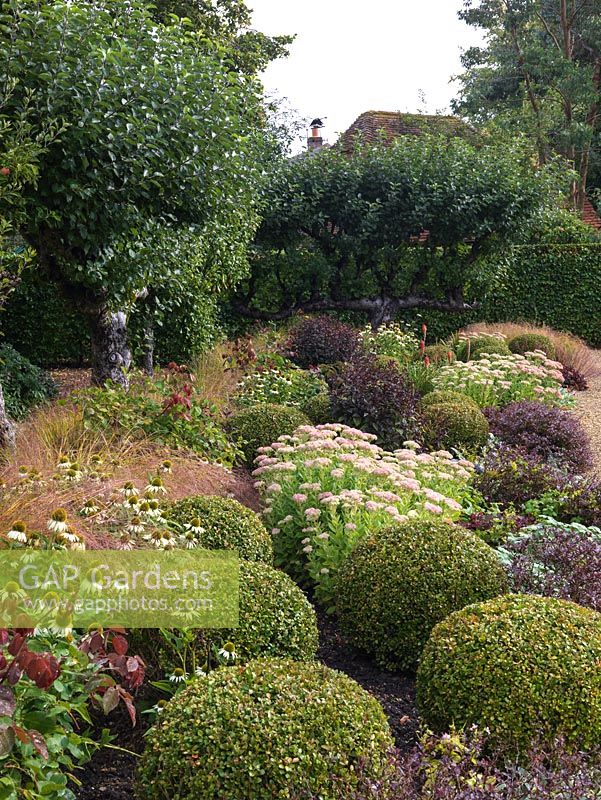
(371, 125)
(589, 214)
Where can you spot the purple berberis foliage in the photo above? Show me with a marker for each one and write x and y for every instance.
(510, 476)
(557, 561)
(457, 767)
(322, 340)
(377, 398)
(551, 434)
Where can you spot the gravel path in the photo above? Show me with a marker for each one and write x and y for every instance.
(588, 408)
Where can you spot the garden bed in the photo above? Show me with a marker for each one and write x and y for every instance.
(111, 773)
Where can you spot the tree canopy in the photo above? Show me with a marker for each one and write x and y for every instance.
(414, 224)
(228, 21)
(158, 155)
(540, 72)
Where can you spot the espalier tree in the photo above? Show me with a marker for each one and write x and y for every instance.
(420, 223)
(152, 178)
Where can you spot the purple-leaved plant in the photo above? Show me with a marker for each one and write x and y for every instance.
(551, 434)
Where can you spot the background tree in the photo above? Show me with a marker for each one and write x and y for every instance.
(20, 150)
(158, 144)
(539, 71)
(417, 224)
(228, 21)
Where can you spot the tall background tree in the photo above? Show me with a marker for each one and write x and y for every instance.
(417, 224)
(230, 22)
(539, 71)
(21, 146)
(154, 173)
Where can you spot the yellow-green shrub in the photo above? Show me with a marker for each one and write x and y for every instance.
(523, 666)
(261, 425)
(454, 425)
(270, 729)
(274, 619)
(228, 525)
(398, 583)
(527, 342)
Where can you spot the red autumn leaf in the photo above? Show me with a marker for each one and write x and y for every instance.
(120, 645)
(129, 704)
(15, 644)
(21, 734)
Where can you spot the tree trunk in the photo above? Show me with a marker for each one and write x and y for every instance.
(7, 427)
(148, 351)
(111, 356)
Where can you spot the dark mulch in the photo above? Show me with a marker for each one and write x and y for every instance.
(110, 774)
(395, 692)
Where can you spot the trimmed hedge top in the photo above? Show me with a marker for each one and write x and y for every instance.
(271, 729)
(523, 666)
(398, 583)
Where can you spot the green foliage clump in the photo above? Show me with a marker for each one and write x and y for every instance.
(439, 396)
(261, 425)
(24, 384)
(476, 346)
(438, 354)
(227, 524)
(279, 381)
(527, 342)
(270, 729)
(317, 408)
(454, 425)
(142, 412)
(397, 584)
(524, 667)
(275, 620)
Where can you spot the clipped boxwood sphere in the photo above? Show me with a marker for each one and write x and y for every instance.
(455, 425)
(526, 667)
(398, 583)
(439, 396)
(526, 342)
(262, 425)
(270, 729)
(228, 525)
(317, 409)
(274, 619)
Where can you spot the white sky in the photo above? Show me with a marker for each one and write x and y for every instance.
(351, 56)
